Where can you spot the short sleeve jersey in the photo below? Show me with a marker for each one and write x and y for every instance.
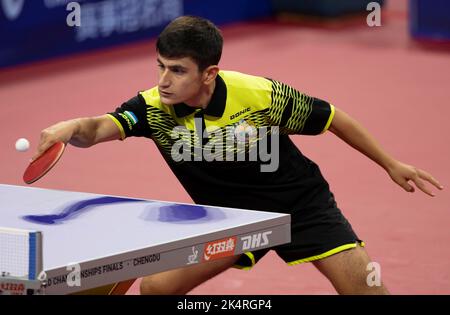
(219, 153)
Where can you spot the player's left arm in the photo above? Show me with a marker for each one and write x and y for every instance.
(354, 134)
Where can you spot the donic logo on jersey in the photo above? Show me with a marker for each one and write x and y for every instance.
(235, 115)
(130, 118)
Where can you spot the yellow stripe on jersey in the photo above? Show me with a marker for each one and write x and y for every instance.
(326, 254)
(333, 110)
(119, 125)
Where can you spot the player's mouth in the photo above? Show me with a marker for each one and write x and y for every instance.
(165, 94)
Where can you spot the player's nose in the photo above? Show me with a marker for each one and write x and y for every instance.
(164, 79)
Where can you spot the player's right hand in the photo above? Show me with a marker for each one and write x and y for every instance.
(62, 131)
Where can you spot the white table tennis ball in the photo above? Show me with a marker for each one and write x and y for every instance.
(22, 145)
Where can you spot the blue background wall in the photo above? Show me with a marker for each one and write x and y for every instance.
(37, 29)
(430, 19)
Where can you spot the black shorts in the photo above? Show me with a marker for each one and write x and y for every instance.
(318, 230)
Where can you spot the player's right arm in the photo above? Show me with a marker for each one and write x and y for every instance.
(93, 130)
(128, 120)
(80, 132)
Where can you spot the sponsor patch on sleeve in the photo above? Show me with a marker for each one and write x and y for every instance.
(130, 118)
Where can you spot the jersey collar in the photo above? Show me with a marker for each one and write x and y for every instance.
(216, 105)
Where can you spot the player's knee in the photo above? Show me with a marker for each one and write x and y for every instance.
(352, 272)
(182, 280)
(155, 285)
(149, 287)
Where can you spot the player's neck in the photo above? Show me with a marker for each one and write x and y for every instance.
(204, 96)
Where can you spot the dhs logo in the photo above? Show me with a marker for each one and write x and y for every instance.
(256, 240)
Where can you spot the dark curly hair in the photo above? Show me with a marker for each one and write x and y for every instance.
(194, 37)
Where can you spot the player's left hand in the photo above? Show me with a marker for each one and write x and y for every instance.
(402, 173)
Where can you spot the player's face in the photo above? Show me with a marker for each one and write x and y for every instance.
(179, 80)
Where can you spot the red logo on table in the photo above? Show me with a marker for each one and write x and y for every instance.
(219, 249)
(12, 288)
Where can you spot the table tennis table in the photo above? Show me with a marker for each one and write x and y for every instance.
(113, 239)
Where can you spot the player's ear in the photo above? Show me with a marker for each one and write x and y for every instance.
(210, 74)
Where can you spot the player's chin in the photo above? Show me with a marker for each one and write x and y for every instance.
(169, 100)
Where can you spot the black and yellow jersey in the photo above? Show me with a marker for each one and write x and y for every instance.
(203, 146)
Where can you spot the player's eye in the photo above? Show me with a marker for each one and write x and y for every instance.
(178, 71)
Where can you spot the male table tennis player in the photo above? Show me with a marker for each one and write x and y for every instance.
(194, 94)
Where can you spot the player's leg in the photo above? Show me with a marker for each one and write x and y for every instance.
(183, 280)
(320, 233)
(348, 272)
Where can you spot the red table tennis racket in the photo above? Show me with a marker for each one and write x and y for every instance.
(43, 163)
